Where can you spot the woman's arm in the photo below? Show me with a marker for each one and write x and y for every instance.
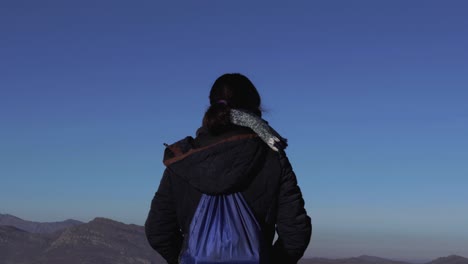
(161, 227)
(293, 225)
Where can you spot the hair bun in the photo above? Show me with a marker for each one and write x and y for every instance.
(231, 90)
(218, 118)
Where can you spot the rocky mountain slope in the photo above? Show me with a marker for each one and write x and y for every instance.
(101, 241)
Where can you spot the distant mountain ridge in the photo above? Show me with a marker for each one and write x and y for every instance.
(36, 227)
(101, 241)
(364, 259)
(453, 259)
(105, 241)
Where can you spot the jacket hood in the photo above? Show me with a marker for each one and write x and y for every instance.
(217, 165)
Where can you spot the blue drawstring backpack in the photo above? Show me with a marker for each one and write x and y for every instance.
(223, 230)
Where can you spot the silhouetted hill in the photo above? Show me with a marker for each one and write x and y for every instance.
(453, 259)
(376, 260)
(36, 227)
(355, 260)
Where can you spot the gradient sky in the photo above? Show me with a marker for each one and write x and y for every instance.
(372, 96)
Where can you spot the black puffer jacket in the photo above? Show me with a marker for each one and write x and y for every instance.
(236, 161)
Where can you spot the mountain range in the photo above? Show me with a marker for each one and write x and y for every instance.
(105, 241)
(100, 241)
(36, 227)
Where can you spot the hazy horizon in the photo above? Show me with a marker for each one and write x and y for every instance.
(371, 95)
(328, 256)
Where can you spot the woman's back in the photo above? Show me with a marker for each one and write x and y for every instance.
(234, 160)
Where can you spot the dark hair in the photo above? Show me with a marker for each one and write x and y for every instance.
(231, 90)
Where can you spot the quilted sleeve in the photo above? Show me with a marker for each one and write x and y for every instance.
(161, 226)
(293, 225)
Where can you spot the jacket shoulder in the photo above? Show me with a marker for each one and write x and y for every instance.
(177, 149)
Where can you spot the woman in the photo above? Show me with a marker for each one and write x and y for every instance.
(234, 152)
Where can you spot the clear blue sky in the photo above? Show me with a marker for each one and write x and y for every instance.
(372, 96)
